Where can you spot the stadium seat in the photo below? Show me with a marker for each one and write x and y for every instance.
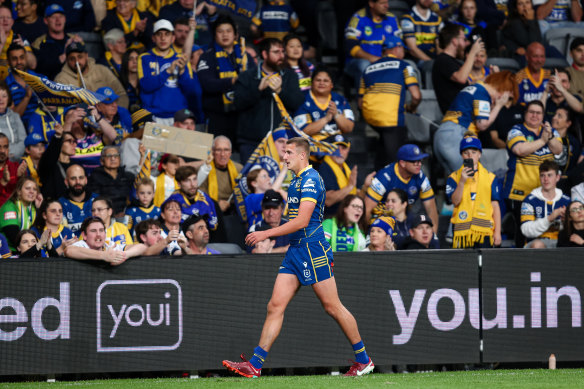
(327, 25)
(504, 63)
(427, 75)
(551, 63)
(399, 8)
(234, 230)
(427, 119)
(560, 38)
(226, 248)
(429, 107)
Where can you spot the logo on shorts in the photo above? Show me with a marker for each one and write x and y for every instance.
(306, 271)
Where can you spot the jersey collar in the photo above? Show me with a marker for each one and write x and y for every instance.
(303, 170)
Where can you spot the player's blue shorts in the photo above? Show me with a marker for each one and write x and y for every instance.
(311, 262)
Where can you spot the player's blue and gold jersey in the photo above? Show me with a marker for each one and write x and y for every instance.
(529, 89)
(75, 212)
(424, 30)
(311, 111)
(535, 207)
(471, 104)
(523, 173)
(388, 178)
(276, 19)
(307, 185)
(137, 214)
(365, 34)
(202, 204)
(383, 88)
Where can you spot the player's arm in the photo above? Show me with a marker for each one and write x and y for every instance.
(301, 221)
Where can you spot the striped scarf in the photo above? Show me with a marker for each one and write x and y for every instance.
(212, 179)
(341, 174)
(227, 69)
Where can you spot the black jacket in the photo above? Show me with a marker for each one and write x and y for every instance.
(118, 190)
(51, 171)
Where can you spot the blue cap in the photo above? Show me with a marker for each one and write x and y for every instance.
(338, 139)
(110, 95)
(278, 133)
(53, 9)
(391, 41)
(410, 152)
(33, 139)
(471, 142)
(386, 223)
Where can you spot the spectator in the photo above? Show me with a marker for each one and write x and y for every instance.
(474, 191)
(29, 246)
(380, 234)
(577, 69)
(44, 120)
(324, 112)
(258, 113)
(165, 183)
(24, 102)
(382, 98)
(265, 246)
(10, 124)
(494, 17)
(185, 119)
(521, 29)
(19, 211)
(533, 79)
(148, 232)
(479, 69)
(51, 46)
(112, 180)
(197, 234)
(96, 246)
(136, 26)
(272, 208)
(471, 111)
(510, 114)
(405, 174)
(420, 28)
(79, 14)
(218, 69)
(129, 78)
(572, 235)
(193, 201)
(115, 47)
(448, 75)
(344, 231)
(29, 25)
(35, 147)
(339, 180)
(558, 95)
(94, 74)
(167, 81)
(116, 232)
(420, 234)
(467, 18)
(143, 207)
(49, 217)
(295, 60)
(543, 209)
(182, 31)
(54, 162)
(274, 20)
(221, 173)
(364, 35)
(528, 145)
(117, 117)
(8, 38)
(77, 202)
(557, 14)
(572, 147)
(170, 219)
(204, 14)
(8, 170)
(259, 184)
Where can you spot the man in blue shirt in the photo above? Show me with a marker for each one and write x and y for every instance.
(307, 262)
(24, 102)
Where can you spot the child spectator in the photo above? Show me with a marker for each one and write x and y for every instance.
(143, 208)
(34, 148)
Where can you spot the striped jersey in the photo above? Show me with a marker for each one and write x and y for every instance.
(529, 89)
(307, 185)
(424, 29)
(472, 103)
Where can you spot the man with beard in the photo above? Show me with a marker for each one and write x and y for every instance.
(77, 202)
(95, 75)
(197, 234)
(8, 170)
(24, 102)
(258, 112)
(448, 75)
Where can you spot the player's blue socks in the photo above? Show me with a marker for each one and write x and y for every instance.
(360, 353)
(259, 357)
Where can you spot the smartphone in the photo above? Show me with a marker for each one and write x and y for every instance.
(468, 163)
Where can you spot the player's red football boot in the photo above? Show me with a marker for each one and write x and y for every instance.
(244, 368)
(359, 369)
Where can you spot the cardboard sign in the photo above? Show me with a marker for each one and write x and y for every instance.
(174, 140)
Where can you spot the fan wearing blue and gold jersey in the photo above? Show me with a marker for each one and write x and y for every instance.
(420, 28)
(275, 20)
(533, 78)
(382, 98)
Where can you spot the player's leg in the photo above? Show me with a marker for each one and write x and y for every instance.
(327, 293)
(285, 288)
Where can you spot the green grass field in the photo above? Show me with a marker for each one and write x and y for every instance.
(556, 379)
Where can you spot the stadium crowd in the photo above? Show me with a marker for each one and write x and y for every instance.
(76, 180)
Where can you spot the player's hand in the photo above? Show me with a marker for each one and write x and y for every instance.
(558, 212)
(69, 242)
(255, 237)
(114, 257)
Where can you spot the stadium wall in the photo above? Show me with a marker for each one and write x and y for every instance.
(168, 314)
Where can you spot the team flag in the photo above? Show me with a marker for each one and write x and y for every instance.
(53, 93)
(244, 8)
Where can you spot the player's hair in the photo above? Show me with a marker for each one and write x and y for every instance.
(146, 182)
(300, 143)
(448, 33)
(548, 165)
(504, 81)
(88, 221)
(143, 227)
(184, 172)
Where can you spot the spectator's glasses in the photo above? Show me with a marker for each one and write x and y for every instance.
(112, 156)
(356, 206)
(577, 209)
(535, 112)
(70, 140)
(94, 210)
(222, 151)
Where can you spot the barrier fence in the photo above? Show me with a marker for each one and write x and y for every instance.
(158, 314)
